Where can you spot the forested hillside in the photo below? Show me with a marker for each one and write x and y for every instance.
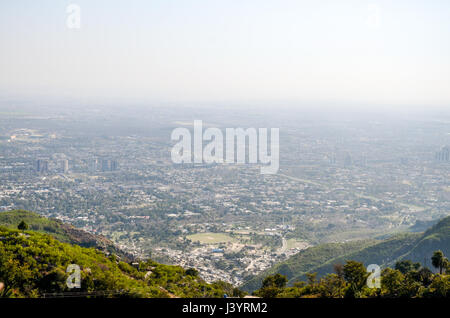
(307, 260)
(417, 247)
(34, 264)
(61, 231)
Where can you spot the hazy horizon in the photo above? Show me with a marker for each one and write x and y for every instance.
(361, 53)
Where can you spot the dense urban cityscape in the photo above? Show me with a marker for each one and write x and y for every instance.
(111, 174)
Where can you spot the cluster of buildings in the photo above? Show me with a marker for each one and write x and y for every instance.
(151, 206)
(443, 155)
(62, 165)
(42, 166)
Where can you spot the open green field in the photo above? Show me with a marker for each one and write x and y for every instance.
(291, 243)
(211, 238)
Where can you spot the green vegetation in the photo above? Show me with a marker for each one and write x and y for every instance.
(415, 247)
(22, 226)
(307, 260)
(210, 238)
(383, 253)
(439, 261)
(35, 253)
(59, 230)
(435, 238)
(35, 222)
(292, 243)
(33, 264)
(351, 281)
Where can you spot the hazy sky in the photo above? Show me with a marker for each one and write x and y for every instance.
(395, 51)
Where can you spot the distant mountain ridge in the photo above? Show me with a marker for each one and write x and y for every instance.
(417, 247)
(435, 238)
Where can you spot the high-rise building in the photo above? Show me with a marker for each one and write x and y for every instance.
(41, 165)
(332, 158)
(64, 166)
(114, 165)
(443, 155)
(106, 165)
(348, 160)
(93, 165)
(363, 161)
(109, 165)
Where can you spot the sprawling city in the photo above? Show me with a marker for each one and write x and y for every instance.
(339, 180)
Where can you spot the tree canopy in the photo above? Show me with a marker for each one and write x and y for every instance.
(407, 279)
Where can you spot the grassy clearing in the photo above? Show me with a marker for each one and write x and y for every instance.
(211, 238)
(291, 243)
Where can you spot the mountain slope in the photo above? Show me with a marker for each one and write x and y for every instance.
(306, 260)
(383, 253)
(62, 232)
(321, 259)
(435, 238)
(34, 264)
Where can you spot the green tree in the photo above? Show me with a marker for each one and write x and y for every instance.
(22, 226)
(332, 286)
(406, 266)
(440, 287)
(192, 272)
(423, 276)
(272, 286)
(392, 282)
(276, 280)
(356, 275)
(268, 292)
(54, 281)
(339, 270)
(311, 278)
(439, 261)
